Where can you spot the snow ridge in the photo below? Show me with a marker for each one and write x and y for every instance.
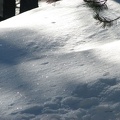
(56, 63)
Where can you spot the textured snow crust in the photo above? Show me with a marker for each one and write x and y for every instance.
(57, 63)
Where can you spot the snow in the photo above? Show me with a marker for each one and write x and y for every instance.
(57, 63)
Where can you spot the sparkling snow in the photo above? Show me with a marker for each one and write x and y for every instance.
(57, 63)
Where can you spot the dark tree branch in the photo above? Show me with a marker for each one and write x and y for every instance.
(51, 1)
(97, 6)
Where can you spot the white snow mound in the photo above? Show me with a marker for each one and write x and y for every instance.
(57, 63)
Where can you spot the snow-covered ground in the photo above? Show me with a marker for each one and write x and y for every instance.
(57, 63)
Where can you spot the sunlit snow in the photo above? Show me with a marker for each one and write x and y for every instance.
(58, 63)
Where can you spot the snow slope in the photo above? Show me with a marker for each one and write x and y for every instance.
(57, 63)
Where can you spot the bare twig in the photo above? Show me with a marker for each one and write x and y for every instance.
(105, 21)
(97, 6)
(96, 2)
(51, 1)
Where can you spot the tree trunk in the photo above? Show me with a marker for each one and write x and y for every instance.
(1, 8)
(26, 5)
(8, 8)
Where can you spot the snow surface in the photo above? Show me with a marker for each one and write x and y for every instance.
(57, 63)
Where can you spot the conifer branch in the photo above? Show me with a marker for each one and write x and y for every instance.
(97, 6)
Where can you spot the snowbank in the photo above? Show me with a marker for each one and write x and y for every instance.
(56, 63)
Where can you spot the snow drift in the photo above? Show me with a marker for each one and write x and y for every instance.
(57, 63)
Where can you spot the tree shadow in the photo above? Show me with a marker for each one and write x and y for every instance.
(117, 1)
(14, 51)
(18, 47)
(10, 54)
